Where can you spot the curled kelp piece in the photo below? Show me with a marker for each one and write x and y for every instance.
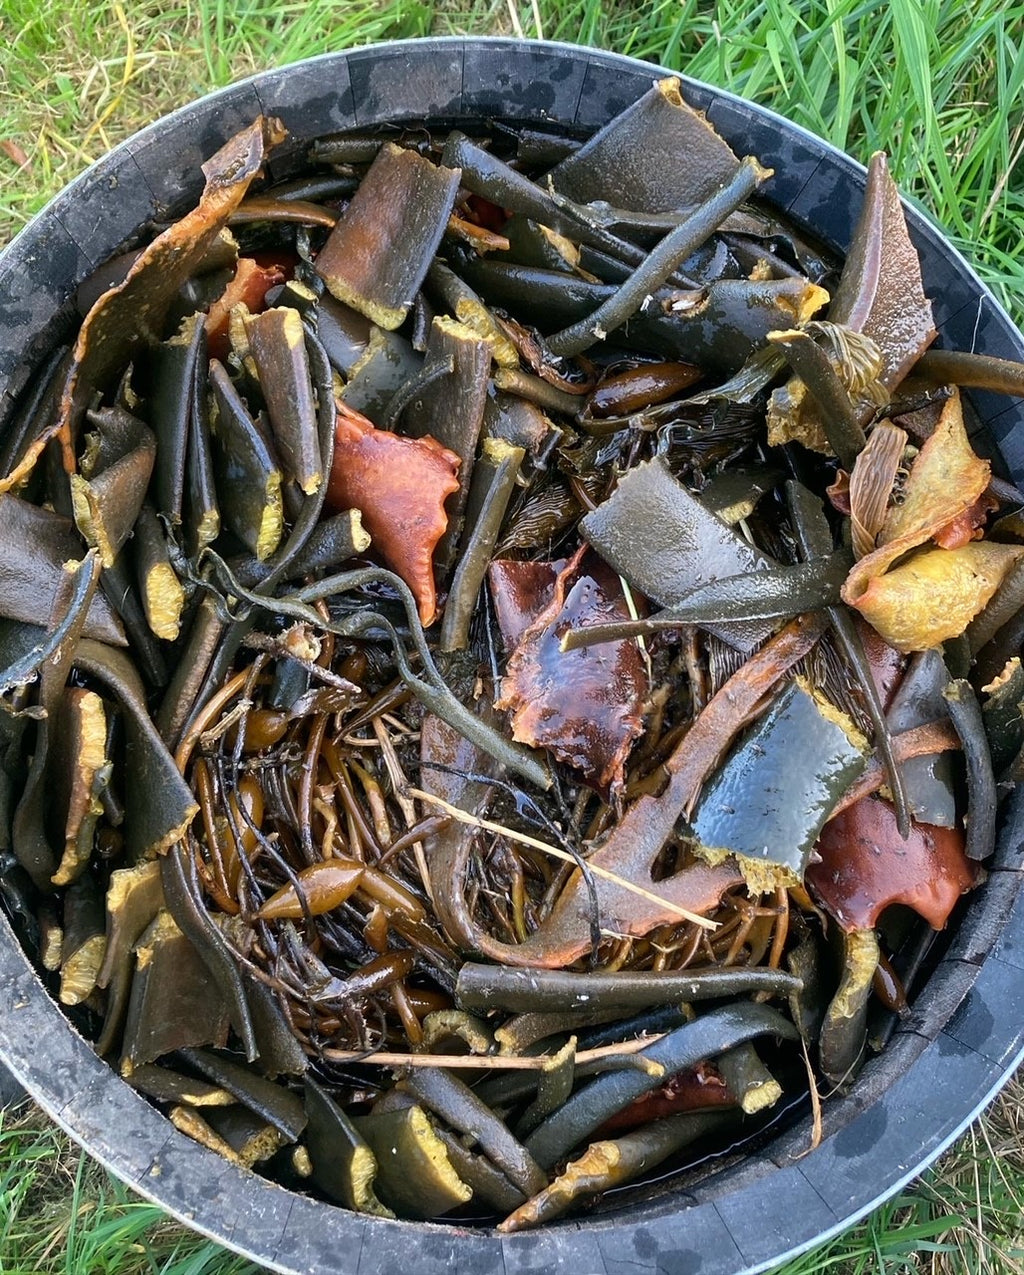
(161, 591)
(1002, 715)
(414, 1176)
(632, 162)
(159, 803)
(880, 295)
(916, 702)
(119, 585)
(935, 594)
(489, 1185)
(174, 1002)
(185, 903)
(115, 468)
(25, 648)
(344, 1167)
(770, 798)
(665, 543)
(32, 843)
(247, 471)
(83, 942)
(252, 1139)
(554, 1085)
(189, 1122)
(133, 313)
(865, 866)
(78, 770)
(880, 292)
(378, 254)
(134, 897)
(843, 1038)
(201, 511)
(965, 714)
(277, 342)
(399, 485)
(173, 370)
(748, 1079)
(37, 544)
(584, 707)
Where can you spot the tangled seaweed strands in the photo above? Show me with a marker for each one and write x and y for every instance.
(313, 986)
(430, 688)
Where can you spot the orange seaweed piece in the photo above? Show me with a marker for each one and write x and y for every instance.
(399, 485)
(248, 286)
(584, 705)
(967, 526)
(866, 866)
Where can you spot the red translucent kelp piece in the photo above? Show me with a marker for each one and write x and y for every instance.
(520, 590)
(866, 866)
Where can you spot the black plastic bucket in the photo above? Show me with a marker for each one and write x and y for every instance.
(966, 1031)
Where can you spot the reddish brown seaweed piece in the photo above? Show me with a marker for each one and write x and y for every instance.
(584, 706)
(248, 286)
(698, 1088)
(399, 485)
(521, 590)
(866, 866)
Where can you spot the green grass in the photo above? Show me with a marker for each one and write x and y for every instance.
(939, 84)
